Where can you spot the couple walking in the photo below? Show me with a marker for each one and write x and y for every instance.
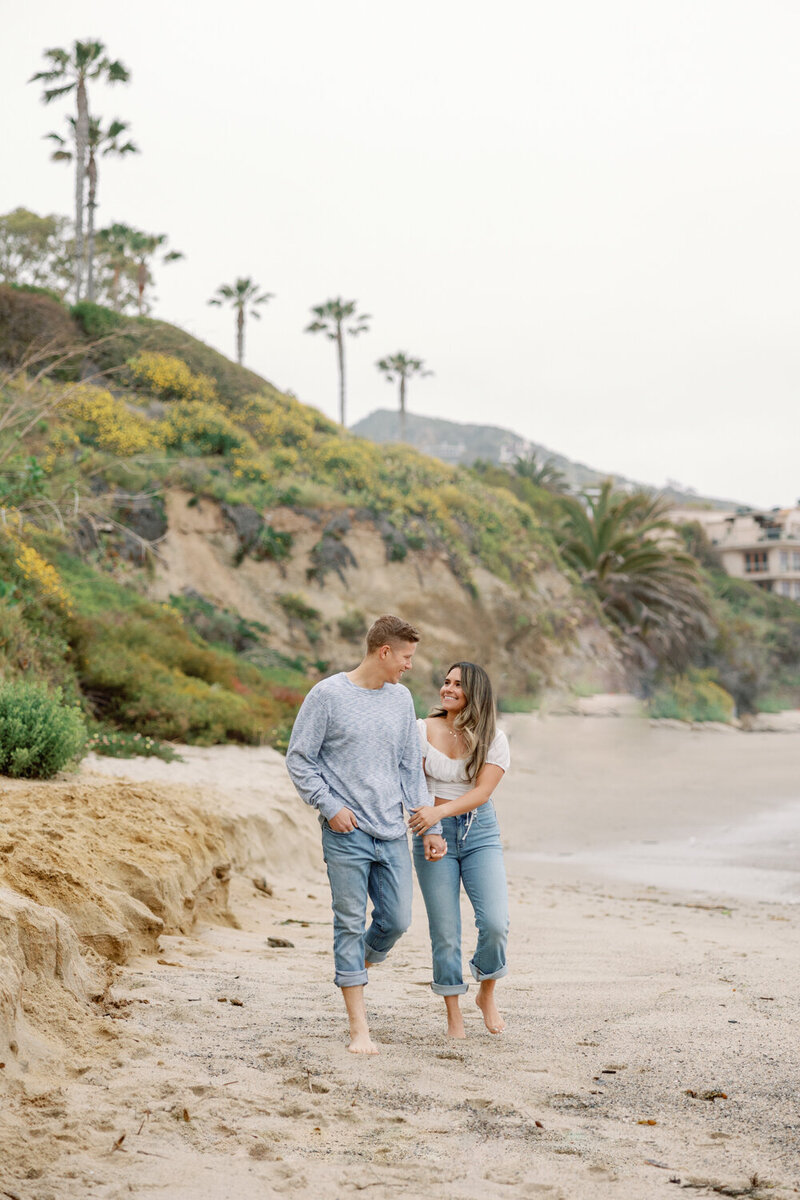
(358, 756)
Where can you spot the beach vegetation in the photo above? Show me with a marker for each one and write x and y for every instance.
(299, 611)
(352, 626)
(200, 427)
(170, 378)
(694, 696)
(622, 547)
(542, 473)
(517, 704)
(40, 733)
(121, 743)
(101, 420)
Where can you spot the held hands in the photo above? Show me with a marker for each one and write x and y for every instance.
(435, 847)
(344, 821)
(422, 818)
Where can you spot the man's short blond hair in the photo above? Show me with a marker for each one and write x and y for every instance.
(390, 631)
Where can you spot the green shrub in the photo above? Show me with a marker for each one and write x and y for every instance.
(692, 697)
(297, 609)
(202, 427)
(120, 743)
(39, 734)
(95, 320)
(31, 289)
(352, 626)
(274, 544)
(517, 704)
(295, 606)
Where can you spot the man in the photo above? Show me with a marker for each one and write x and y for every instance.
(354, 755)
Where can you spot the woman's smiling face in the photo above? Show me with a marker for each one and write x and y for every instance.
(450, 693)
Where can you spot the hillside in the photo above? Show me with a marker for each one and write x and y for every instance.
(185, 549)
(462, 443)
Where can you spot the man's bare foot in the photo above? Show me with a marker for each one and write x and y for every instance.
(362, 1043)
(455, 1027)
(486, 1003)
(455, 1021)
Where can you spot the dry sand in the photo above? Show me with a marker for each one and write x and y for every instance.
(649, 973)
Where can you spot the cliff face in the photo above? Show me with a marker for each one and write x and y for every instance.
(319, 600)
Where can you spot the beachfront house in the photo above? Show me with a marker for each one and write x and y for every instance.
(762, 546)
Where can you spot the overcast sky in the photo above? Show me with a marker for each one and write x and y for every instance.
(584, 216)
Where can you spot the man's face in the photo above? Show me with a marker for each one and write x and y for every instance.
(397, 659)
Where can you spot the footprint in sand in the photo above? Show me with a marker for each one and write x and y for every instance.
(308, 1083)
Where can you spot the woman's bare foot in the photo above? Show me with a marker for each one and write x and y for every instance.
(486, 1003)
(455, 1021)
(361, 1043)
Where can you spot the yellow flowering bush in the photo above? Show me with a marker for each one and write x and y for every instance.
(108, 424)
(39, 573)
(279, 421)
(62, 440)
(251, 467)
(204, 427)
(284, 458)
(351, 465)
(171, 378)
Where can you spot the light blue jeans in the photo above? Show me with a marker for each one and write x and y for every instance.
(474, 857)
(362, 868)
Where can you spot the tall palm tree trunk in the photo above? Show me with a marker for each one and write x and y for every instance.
(81, 142)
(340, 349)
(91, 205)
(141, 283)
(115, 287)
(240, 334)
(402, 408)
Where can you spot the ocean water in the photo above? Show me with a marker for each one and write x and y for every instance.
(757, 859)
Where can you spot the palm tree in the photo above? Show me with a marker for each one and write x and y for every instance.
(331, 318)
(143, 248)
(114, 249)
(400, 366)
(543, 473)
(71, 70)
(105, 142)
(243, 295)
(625, 549)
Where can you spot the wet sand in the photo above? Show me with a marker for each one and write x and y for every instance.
(652, 1038)
(692, 809)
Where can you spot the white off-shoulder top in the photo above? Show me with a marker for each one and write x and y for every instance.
(447, 777)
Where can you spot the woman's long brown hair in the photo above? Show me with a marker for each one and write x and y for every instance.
(476, 722)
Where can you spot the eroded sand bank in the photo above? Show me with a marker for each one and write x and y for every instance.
(215, 1065)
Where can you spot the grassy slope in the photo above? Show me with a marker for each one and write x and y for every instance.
(173, 671)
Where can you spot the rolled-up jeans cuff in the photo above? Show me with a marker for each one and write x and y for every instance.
(479, 975)
(372, 955)
(351, 978)
(449, 989)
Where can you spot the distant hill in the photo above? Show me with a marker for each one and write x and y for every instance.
(454, 442)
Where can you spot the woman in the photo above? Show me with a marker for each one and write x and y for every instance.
(465, 758)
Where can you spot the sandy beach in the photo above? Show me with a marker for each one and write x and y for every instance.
(652, 1022)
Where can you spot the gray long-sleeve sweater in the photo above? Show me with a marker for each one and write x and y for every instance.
(359, 748)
